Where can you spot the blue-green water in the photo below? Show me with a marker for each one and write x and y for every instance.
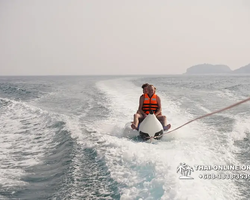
(65, 138)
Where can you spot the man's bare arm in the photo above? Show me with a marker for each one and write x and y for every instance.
(140, 106)
(159, 106)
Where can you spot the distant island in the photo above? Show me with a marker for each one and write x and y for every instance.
(243, 70)
(216, 69)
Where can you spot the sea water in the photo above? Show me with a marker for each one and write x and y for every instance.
(64, 137)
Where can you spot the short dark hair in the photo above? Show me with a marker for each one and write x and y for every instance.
(144, 85)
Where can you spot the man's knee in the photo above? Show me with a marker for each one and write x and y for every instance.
(162, 117)
(136, 115)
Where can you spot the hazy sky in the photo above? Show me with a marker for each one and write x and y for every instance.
(78, 37)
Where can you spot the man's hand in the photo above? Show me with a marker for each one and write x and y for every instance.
(157, 113)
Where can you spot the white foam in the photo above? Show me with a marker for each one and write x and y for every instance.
(149, 170)
(24, 140)
(241, 127)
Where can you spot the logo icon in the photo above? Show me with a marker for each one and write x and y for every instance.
(185, 171)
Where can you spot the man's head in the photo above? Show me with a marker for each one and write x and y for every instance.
(144, 87)
(151, 90)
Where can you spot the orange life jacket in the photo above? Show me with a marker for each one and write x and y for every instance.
(150, 103)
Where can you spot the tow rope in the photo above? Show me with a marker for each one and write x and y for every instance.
(217, 111)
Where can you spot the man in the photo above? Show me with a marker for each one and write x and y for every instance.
(149, 101)
(138, 114)
(144, 91)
